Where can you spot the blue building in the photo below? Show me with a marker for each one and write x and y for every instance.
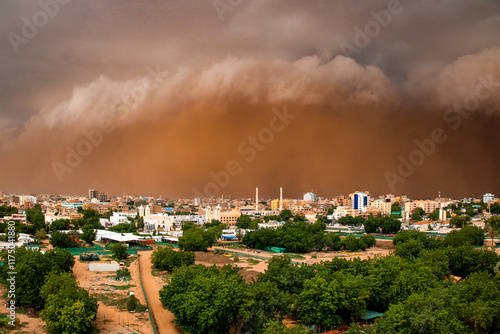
(360, 200)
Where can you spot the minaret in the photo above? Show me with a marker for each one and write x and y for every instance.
(281, 198)
(257, 199)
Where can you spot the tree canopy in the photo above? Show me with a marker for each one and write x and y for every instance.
(165, 258)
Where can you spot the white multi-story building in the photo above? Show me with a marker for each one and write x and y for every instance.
(488, 198)
(161, 222)
(360, 200)
(341, 211)
(309, 197)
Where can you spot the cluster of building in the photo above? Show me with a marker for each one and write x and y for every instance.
(166, 215)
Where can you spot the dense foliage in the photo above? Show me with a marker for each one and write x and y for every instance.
(119, 250)
(166, 258)
(124, 228)
(204, 299)
(294, 236)
(246, 222)
(64, 240)
(196, 238)
(69, 309)
(31, 269)
(414, 289)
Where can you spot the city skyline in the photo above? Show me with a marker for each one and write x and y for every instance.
(203, 99)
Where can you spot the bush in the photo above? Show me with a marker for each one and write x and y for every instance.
(369, 240)
(131, 303)
(119, 251)
(468, 235)
(169, 259)
(410, 249)
(122, 273)
(352, 244)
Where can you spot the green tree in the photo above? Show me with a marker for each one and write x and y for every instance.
(389, 225)
(460, 221)
(214, 223)
(421, 314)
(276, 327)
(410, 249)
(119, 251)
(285, 214)
(434, 215)
(286, 275)
(465, 260)
(60, 225)
(6, 210)
(195, 239)
(132, 303)
(36, 217)
(68, 307)
(417, 214)
(395, 207)
(31, 268)
(263, 301)
(352, 244)
(494, 224)
(372, 224)
(412, 280)
(204, 300)
(369, 240)
(326, 302)
(346, 221)
(41, 235)
(124, 228)
(169, 259)
(243, 221)
(467, 235)
(89, 233)
(61, 240)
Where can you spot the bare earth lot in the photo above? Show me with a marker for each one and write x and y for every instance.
(110, 319)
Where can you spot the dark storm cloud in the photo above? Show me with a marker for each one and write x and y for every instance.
(220, 81)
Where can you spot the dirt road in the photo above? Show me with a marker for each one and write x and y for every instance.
(152, 286)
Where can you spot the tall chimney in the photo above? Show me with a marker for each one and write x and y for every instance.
(257, 199)
(281, 198)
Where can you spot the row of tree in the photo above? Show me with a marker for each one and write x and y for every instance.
(294, 236)
(413, 289)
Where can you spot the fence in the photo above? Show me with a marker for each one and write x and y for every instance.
(266, 258)
(167, 244)
(144, 292)
(135, 248)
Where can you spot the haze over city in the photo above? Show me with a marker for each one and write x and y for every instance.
(178, 99)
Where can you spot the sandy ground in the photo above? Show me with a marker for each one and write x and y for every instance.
(109, 318)
(152, 285)
(382, 248)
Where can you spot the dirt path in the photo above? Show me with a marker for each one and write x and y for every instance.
(152, 286)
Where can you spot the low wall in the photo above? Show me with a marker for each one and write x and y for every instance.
(99, 266)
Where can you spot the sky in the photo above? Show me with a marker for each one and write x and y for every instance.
(206, 98)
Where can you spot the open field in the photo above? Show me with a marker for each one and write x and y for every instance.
(112, 316)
